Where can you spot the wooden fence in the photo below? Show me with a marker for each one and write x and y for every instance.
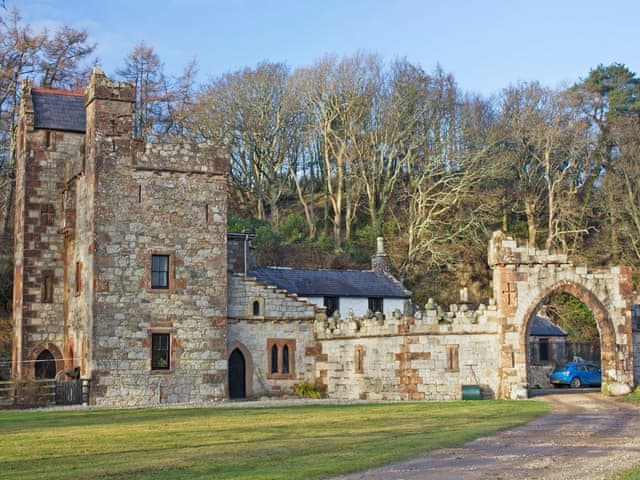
(43, 393)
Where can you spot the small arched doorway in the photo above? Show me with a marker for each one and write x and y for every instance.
(237, 375)
(45, 366)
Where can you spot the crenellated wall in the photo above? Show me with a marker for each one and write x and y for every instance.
(427, 356)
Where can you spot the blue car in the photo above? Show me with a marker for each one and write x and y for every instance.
(576, 375)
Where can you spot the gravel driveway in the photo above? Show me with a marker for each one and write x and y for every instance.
(586, 436)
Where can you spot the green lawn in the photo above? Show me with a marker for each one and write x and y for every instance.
(302, 442)
(634, 473)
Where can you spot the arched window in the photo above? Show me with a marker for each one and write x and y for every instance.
(256, 308)
(274, 359)
(281, 353)
(285, 359)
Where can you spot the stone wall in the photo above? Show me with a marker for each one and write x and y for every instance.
(273, 303)
(428, 356)
(280, 317)
(255, 335)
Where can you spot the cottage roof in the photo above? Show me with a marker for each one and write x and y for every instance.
(58, 110)
(339, 283)
(543, 327)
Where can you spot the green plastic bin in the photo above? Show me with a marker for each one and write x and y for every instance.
(471, 392)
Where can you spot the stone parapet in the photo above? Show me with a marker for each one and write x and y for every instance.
(102, 87)
(432, 320)
(181, 157)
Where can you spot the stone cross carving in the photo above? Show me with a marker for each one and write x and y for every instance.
(510, 294)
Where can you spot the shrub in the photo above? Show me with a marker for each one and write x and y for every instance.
(306, 390)
(294, 229)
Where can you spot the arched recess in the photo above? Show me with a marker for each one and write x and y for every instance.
(237, 374)
(51, 356)
(591, 301)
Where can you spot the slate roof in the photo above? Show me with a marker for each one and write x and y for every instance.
(543, 327)
(58, 110)
(339, 283)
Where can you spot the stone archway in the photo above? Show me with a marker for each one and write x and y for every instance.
(46, 361)
(599, 312)
(524, 277)
(240, 372)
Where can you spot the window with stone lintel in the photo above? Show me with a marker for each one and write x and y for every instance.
(161, 351)
(161, 272)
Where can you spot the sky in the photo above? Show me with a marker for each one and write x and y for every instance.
(487, 45)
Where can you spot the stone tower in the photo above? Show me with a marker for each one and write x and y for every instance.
(46, 146)
(139, 250)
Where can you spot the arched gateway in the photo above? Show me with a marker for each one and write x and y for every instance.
(523, 279)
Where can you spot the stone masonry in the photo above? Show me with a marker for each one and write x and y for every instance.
(278, 316)
(122, 203)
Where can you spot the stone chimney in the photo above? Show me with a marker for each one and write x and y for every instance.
(380, 261)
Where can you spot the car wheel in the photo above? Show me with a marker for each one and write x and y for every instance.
(576, 383)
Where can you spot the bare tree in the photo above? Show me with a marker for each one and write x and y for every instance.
(144, 69)
(548, 152)
(19, 51)
(181, 98)
(62, 58)
(250, 111)
(337, 96)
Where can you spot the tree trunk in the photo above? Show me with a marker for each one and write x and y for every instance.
(530, 208)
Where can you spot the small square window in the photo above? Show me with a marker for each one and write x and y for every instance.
(160, 271)
(48, 214)
(160, 351)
